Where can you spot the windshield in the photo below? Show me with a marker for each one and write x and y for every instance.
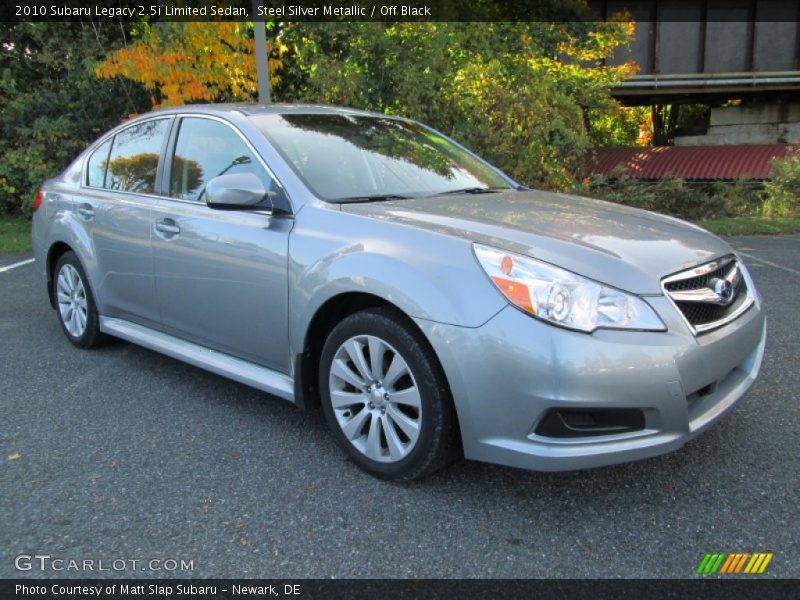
(353, 157)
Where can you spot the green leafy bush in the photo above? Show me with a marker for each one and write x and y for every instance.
(679, 198)
(669, 196)
(741, 198)
(782, 191)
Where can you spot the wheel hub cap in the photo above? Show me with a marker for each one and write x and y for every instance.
(377, 397)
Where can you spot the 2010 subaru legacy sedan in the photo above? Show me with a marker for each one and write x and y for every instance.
(374, 267)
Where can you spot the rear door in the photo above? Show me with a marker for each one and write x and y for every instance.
(115, 207)
(221, 275)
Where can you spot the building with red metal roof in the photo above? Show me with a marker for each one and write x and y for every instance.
(694, 163)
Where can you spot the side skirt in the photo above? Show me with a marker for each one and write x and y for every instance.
(228, 366)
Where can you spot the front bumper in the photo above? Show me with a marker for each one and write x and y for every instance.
(508, 374)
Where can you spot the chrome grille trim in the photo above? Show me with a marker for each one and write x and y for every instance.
(703, 295)
(699, 270)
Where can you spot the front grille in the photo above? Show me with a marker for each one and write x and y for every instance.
(698, 313)
(710, 295)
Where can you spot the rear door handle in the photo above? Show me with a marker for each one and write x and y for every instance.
(86, 211)
(168, 226)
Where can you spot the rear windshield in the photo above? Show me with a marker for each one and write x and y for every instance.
(351, 157)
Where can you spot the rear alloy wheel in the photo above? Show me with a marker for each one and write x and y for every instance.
(75, 304)
(72, 304)
(385, 398)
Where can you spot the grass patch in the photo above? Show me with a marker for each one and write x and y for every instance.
(15, 234)
(751, 225)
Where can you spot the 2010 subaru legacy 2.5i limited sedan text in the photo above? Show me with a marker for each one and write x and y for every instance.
(429, 304)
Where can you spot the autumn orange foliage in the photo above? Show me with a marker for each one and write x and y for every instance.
(193, 62)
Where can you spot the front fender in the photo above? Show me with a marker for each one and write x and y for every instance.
(427, 275)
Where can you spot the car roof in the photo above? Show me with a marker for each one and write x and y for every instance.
(248, 109)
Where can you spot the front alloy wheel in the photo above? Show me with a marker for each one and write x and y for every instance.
(385, 397)
(375, 398)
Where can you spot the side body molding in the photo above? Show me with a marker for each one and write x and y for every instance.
(234, 368)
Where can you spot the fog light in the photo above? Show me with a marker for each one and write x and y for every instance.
(570, 422)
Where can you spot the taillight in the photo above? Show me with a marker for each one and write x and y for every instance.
(37, 201)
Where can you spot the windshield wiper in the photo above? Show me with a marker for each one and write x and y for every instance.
(472, 190)
(372, 198)
(383, 197)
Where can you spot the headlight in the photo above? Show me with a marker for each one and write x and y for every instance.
(563, 298)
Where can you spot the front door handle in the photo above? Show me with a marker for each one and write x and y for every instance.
(86, 211)
(168, 226)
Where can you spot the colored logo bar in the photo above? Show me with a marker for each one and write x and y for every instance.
(725, 563)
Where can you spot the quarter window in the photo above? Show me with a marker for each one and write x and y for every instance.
(96, 168)
(206, 149)
(133, 161)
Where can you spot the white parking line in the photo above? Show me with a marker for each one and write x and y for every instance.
(769, 263)
(22, 263)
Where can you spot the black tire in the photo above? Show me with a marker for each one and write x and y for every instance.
(438, 443)
(91, 336)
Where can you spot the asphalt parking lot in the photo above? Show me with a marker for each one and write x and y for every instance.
(121, 453)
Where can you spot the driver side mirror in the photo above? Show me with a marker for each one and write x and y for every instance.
(234, 191)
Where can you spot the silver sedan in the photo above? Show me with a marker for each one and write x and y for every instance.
(374, 268)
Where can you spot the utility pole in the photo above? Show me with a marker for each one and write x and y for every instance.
(262, 66)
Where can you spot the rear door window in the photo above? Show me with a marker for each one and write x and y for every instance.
(133, 161)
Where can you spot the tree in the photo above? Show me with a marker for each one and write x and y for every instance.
(530, 97)
(665, 120)
(51, 104)
(180, 62)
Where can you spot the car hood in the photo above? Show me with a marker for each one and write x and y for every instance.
(624, 247)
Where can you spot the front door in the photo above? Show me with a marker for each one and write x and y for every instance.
(221, 276)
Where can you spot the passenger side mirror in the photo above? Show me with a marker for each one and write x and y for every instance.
(234, 191)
